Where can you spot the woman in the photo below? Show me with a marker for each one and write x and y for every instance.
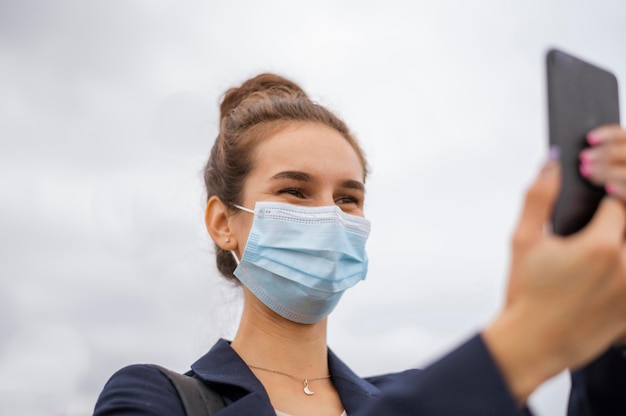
(286, 186)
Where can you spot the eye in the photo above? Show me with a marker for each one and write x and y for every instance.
(297, 192)
(348, 199)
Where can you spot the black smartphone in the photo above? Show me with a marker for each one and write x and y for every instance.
(581, 97)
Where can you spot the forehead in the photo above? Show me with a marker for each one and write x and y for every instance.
(313, 148)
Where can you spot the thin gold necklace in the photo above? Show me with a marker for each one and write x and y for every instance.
(307, 391)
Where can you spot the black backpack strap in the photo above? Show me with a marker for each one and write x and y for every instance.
(198, 399)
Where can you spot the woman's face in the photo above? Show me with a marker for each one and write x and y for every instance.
(304, 164)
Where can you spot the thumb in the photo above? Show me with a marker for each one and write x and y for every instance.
(538, 204)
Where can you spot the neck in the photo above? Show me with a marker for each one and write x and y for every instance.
(268, 340)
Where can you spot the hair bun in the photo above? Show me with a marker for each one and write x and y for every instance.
(271, 84)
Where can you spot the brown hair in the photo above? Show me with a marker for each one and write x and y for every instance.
(260, 107)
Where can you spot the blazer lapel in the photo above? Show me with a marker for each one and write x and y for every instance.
(228, 374)
(354, 391)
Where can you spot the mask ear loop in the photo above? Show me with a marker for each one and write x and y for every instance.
(235, 257)
(246, 210)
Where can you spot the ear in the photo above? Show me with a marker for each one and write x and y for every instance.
(217, 220)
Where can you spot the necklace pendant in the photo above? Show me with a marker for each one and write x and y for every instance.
(306, 388)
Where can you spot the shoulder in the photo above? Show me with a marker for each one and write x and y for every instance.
(139, 389)
(384, 380)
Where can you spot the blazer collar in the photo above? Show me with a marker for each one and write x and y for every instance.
(223, 366)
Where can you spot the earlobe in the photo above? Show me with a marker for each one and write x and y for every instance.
(217, 221)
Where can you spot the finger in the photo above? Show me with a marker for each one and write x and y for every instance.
(613, 152)
(615, 176)
(601, 173)
(616, 189)
(538, 205)
(603, 164)
(605, 134)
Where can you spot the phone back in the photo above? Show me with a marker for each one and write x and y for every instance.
(581, 97)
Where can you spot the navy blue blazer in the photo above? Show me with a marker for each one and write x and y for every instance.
(600, 387)
(464, 382)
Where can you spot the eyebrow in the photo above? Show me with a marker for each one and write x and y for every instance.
(305, 177)
(295, 175)
(353, 185)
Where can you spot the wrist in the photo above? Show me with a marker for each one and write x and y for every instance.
(523, 356)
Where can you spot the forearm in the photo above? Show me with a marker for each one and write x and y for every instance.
(523, 351)
(465, 381)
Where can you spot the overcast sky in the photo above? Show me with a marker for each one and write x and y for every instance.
(108, 110)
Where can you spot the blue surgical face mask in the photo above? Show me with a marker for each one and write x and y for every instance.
(299, 260)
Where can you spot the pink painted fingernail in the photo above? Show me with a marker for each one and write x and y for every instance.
(585, 169)
(585, 157)
(610, 189)
(592, 138)
(554, 154)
